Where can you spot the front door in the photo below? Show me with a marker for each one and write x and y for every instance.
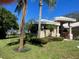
(63, 32)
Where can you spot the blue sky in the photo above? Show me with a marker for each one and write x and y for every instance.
(62, 7)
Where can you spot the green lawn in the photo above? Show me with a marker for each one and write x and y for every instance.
(52, 50)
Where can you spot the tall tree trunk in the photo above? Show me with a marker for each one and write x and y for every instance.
(40, 16)
(21, 29)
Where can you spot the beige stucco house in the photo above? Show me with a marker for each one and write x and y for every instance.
(64, 26)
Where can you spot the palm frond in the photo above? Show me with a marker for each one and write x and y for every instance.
(50, 3)
(20, 5)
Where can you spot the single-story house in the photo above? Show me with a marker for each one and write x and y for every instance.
(64, 27)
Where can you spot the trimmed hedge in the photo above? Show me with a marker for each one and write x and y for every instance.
(34, 40)
(39, 40)
(56, 38)
(77, 38)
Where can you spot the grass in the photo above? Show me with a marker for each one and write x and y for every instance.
(52, 50)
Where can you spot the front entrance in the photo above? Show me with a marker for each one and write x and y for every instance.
(63, 32)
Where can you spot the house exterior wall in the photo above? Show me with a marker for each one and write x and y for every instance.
(45, 33)
(54, 33)
(75, 32)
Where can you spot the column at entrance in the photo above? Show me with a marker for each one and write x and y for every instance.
(70, 32)
(58, 34)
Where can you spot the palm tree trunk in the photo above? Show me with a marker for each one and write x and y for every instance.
(21, 29)
(40, 16)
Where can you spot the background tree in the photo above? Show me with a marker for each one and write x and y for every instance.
(29, 24)
(7, 21)
(73, 15)
(51, 27)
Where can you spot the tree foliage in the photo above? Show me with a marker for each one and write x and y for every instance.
(50, 27)
(73, 15)
(7, 21)
(20, 4)
(50, 3)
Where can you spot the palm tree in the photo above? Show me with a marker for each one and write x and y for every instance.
(50, 3)
(22, 4)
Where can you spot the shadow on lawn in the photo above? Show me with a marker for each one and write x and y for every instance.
(11, 37)
(32, 42)
(14, 43)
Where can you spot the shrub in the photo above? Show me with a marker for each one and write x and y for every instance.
(44, 40)
(29, 36)
(38, 40)
(32, 38)
(56, 38)
(77, 38)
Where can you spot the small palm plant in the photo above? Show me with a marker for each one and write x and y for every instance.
(51, 27)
